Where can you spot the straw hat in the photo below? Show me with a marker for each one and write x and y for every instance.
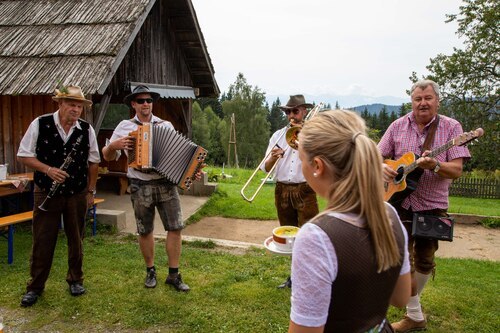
(71, 92)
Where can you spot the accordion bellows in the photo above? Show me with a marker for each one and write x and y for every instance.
(167, 152)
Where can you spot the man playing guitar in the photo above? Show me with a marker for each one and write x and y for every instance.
(408, 134)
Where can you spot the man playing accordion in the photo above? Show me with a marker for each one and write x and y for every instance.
(150, 190)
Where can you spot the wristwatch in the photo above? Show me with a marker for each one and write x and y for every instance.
(92, 191)
(437, 167)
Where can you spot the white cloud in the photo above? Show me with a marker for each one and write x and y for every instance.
(325, 46)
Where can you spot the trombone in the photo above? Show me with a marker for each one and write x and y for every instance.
(242, 192)
(291, 132)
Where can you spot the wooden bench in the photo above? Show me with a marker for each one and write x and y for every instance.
(92, 212)
(10, 220)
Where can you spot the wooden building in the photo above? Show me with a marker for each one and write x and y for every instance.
(106, 47)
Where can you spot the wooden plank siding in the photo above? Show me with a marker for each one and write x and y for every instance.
(101, 46)
(17, 112)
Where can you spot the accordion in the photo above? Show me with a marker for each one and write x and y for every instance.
(165, 151)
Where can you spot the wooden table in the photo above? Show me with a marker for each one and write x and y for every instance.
(11, 194)
(8, 186)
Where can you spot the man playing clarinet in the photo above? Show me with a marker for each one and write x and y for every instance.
(62, 150)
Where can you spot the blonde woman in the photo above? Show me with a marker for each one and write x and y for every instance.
(351, 261)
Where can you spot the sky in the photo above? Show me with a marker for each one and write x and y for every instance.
(315, 47)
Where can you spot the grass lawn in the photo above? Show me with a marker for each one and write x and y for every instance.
(230, 292)
(228, 202)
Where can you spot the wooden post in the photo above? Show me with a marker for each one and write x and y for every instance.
(232, 141)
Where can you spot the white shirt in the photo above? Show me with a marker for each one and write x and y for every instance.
(27, 147)
(123, 129)
(314, 268)
(289, 168)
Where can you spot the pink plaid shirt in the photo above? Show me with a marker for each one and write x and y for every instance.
(403, 136)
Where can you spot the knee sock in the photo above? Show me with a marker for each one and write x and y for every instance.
(414, 310)
(421, 281)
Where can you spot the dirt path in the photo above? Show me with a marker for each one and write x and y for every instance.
(470, 240)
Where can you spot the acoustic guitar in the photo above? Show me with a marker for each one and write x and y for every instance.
(409, 173)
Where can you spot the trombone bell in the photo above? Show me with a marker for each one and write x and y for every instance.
(292, 134)
(292, 137)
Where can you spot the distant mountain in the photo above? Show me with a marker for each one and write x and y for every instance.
(344, 101)
(375, 108)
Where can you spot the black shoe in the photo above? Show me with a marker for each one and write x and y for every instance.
(287, 283)
(176, 281)
(29, 299)
(150, 281)
(76, 289)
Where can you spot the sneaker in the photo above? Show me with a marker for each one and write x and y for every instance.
(150, 279)
(408, 325)
(176, 281)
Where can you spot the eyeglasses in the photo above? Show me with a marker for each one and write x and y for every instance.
(144, 100)
(294, 110)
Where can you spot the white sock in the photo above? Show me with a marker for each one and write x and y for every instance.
(414, 310)
(421, 281)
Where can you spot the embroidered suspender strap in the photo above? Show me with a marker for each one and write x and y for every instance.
(430, 135)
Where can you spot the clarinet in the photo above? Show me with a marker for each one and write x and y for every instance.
(67, 161)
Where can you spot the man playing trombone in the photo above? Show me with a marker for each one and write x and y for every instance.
(294, 199)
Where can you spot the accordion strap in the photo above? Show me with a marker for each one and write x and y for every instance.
(137, 122)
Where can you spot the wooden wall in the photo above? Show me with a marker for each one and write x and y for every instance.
(154, 57)
(16, 114)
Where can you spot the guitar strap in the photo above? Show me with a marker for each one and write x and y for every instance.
(430, 135)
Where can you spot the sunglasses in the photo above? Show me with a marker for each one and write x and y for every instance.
(144, 100)
(295, 111)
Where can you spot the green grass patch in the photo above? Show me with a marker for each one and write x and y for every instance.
(230, 292)
(475, 206)
(491, 222)
(228, 202)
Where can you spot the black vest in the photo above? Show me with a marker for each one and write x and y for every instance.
(360, 295)
(51, 150)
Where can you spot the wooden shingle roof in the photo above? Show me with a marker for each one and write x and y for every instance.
(80, 41)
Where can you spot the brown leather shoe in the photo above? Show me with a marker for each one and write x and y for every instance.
(409, 325)
(29, 299)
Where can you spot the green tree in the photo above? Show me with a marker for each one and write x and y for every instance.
(392, 117)
(404, 109)
(214, 103)
(366, 115)
(206, 133)
(383, 120)
(200, 127)
(252, 128)
(276, 118)
(469, 78)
